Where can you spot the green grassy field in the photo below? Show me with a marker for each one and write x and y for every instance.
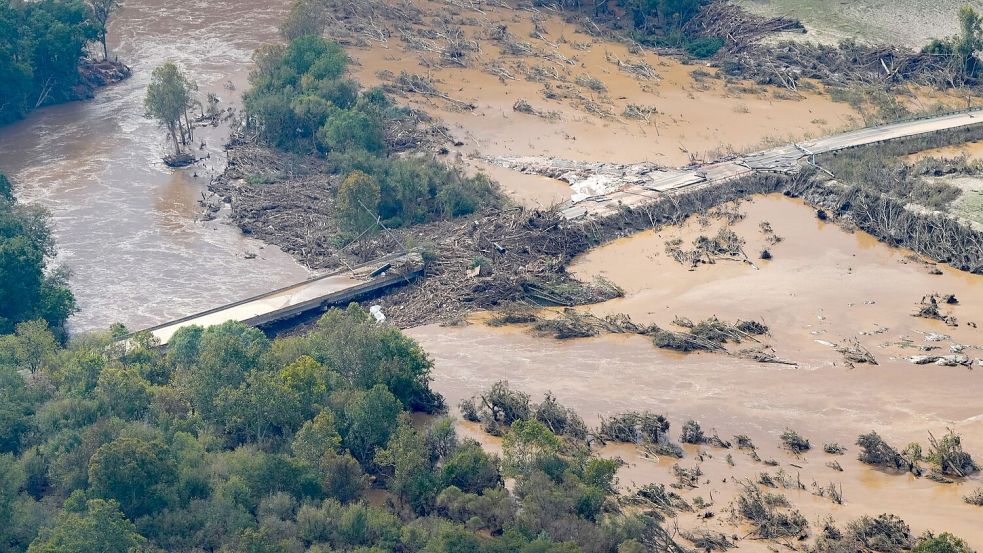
(906, 22)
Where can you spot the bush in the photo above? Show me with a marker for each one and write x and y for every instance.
(357, 202)
(943, 543)
(28, 288)
(348, 129)
(794, 442)
(692, 433)
(704, 47)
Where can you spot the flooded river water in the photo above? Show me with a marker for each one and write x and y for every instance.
(125, 224)
(823, 286)
(130, 231)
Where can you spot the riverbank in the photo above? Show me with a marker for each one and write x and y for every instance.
(96, 74)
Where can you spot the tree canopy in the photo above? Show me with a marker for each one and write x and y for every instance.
(301, 101)
(170, 95)
(41, 44)
(230, 441)
(29, 288)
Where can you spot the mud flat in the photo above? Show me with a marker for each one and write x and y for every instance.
(823, 284)
(579, 88)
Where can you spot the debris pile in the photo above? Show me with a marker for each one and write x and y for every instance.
(770, 515)
(708, 335)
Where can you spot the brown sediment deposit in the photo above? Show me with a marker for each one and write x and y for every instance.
(822, 287)
(580, 87)
(534, 191)
(970, 150)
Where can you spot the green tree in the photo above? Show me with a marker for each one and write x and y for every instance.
(970, 41)
(253, 540)
(943, 543)
(364, 353)
(28, 289)
(357, 203)
(343, 478)
(412, 479)
(306, 17)
(215, 358)
(6, 189)
(317, 437)
(11, 479)
(16, 407)
(102, 10)
(369, 419)
(33, 344)
(133, 472)
(471, 469)
(261, 408)
(124, 391)
(527, 442)
(353, 129)
(99, 526)
(311, 381)
(169, 95)
(41, 45)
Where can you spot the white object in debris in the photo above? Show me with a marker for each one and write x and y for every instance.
(376, 311)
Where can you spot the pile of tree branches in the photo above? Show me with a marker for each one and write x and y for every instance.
(738, 27)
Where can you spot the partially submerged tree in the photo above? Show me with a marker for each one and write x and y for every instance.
(306, 17)
(102, 10)
(169, 96)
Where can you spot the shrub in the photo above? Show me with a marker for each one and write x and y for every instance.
(692, 433)
(794, 442)
(704, 47)
(357, 202)
(943, 543)
(349, 129)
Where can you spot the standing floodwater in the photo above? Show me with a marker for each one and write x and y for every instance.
(126, 225)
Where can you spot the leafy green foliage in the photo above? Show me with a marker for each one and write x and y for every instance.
(962, 49)
(358, 201)
(300, 101)
(28, 290)
(943, 543)
(170, 95)
(41, 44)
(232, 442)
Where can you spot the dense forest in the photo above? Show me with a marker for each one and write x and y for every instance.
(229, 441)
(41, 44)
(29, 290)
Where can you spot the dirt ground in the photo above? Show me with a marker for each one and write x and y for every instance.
(970, 203)
(693, 118)
(823, 284)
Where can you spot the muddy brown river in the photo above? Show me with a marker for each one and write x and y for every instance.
(127, 225)
(131, 231)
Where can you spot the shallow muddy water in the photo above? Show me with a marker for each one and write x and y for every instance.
(125, 224)
(822, 284)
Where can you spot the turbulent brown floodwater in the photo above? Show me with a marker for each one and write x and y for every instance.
(125, 224)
